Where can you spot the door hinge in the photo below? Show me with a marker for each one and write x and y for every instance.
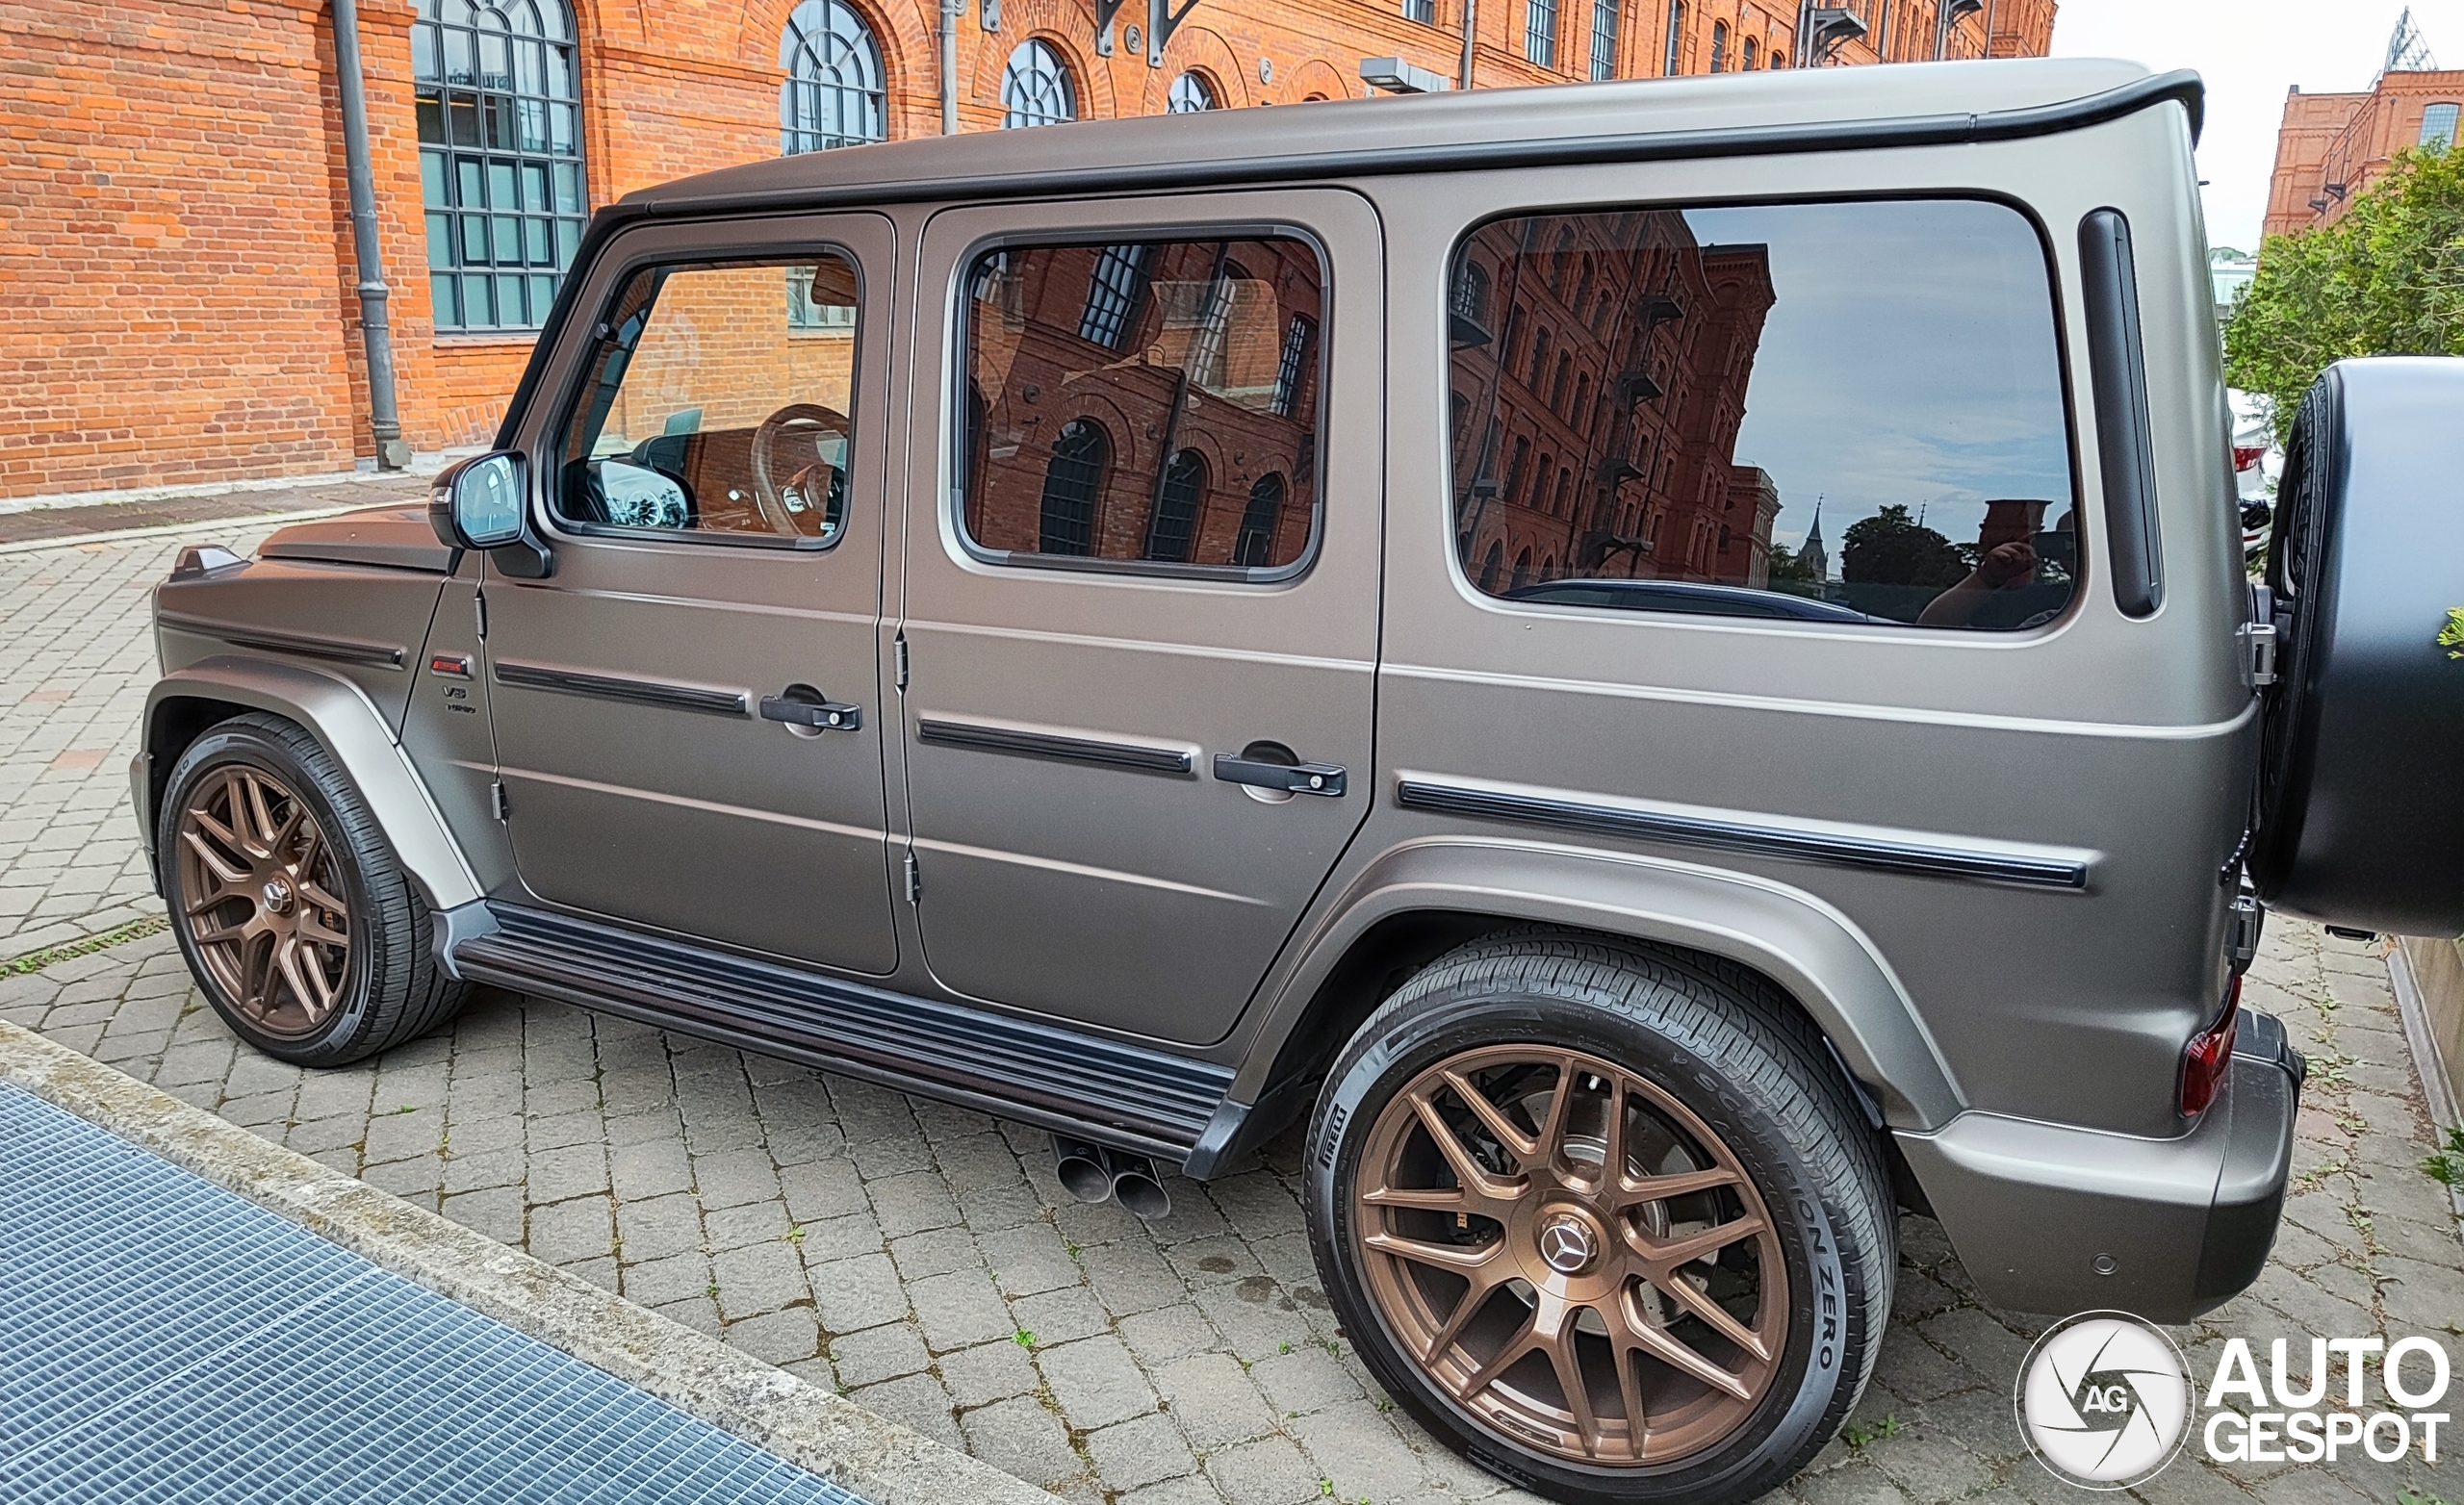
(915, 879)
(497, 798)
(2258, 653)
(480, 608)
(898, 647)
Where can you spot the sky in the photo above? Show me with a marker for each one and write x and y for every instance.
(1908, 358)
(2250, 52)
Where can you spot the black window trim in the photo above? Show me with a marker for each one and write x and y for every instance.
(961, 330)
(621, 268)
(2084, 576)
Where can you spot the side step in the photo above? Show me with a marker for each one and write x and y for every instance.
(1125, 1096)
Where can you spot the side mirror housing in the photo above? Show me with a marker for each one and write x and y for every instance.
(484, 503)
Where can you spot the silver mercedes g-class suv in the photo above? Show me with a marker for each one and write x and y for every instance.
(1668, 662)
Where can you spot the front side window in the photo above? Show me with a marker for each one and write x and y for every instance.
(1149, 403)
(834, 94)
(719, 404)
(2438, 126)
(1844, 413)
(1035, 87)
(498, 95)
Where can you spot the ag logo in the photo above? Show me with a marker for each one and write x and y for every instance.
(2104, 1400)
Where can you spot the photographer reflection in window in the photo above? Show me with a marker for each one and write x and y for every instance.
(2023, 577)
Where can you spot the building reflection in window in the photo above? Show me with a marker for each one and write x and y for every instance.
(1825, 412)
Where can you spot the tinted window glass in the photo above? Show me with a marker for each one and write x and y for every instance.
(1150, 403)
(718, 404)
(1817, 412)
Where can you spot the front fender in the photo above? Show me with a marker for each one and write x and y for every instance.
(1804, 945)
(344, 722)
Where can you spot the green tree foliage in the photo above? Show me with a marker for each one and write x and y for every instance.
(1787, 565)
(1890, 548)
(2386, 279)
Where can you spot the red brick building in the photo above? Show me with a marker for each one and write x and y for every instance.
(175, 253)
(2331, 146)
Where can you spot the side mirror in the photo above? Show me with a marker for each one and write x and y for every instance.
(483, 503)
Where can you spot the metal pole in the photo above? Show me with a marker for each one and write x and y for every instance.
(950, 9)
(1470, 29)
(384, 418)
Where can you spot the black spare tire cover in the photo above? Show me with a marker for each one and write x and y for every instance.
(2361, 815)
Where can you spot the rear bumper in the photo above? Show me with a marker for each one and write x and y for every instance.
(2039, 1213)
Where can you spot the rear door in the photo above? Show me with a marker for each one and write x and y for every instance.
(1144, 612)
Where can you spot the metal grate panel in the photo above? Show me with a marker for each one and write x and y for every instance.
(167, 1340)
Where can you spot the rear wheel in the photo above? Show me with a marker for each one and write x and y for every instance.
(1605, 1219)
(300, 929)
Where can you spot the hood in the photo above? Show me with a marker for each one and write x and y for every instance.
(391, 538)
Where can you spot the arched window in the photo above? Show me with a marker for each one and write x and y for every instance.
(1169, 530)
(1779, 59)
(1583, 288)
(1676, 38)
(1603, 39)
(1072, 478)
(1719, 45)
(1558, 502)
(1539, 498)
(1549, 568)
(1035, 88)
(1582, 399)
(1749, 56)
(1540, 32)
(498, 99)
(1521, 571)
(1539, 361)
(1557, 387)
(1514, 469)
(1489, 568)
(1470, 293)
(2438, 126)
(1255, 543)
(834, 93)
(1191, 93)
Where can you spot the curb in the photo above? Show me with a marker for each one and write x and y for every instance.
(825, 1434)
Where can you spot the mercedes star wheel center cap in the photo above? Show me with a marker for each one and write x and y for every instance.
(277, 894)
(1566, 1244)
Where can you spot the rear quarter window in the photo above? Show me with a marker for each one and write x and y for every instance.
(1843, 412)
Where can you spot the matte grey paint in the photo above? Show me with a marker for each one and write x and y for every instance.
(1984, 1016)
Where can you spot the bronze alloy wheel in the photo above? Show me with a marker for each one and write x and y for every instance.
(260, 894)
(1571, 1254)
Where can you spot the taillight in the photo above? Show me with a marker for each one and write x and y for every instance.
(2208, 1055)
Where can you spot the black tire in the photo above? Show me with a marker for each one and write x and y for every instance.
(391, 989)
(1726, 1046)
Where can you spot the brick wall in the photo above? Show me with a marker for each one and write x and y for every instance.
(175, 256)
(2331, 146)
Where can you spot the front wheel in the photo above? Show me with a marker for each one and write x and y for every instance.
(300, 927)
(1605, 1219)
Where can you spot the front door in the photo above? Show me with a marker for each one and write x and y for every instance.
(1141, 626)
(689, 708)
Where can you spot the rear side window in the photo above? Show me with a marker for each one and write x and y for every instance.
(1146, 405)
(1816, 412)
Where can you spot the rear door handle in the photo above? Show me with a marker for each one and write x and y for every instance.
(819, 715)
(1322, 778)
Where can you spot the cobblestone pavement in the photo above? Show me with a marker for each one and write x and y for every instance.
(924, 1259)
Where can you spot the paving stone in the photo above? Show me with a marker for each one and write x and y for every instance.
(1138, 1452)
(959, 1309)
(1095, 1382)
(1020, 1437)
(752, 1223)
(581, 1229)
(919, 1401)
(653, 1283)
(856, 1294)
(1270, 1471)
(778, 1336)
(759, 1278)
(881, 1353)
(1213, 1402)
(1058, 1316)
(660, 1227)
(987, 1372)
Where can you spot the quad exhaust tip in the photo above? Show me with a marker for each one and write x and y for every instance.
(1091, 1173)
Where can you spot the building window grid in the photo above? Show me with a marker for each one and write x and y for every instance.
(1114, 293)
(2438, 124)
(1254, 545)
(1291, 371)
(1540, 32)
(835, 93)
(1675, 53)
(1072, 479)
(1035, 87)
(1719, 47)
(1190, 94)
(498, 98)
(1424, 12)
(1174, 525)
(1603, 38)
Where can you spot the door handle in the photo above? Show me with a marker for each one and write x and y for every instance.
(1321, 778)
(819, 715)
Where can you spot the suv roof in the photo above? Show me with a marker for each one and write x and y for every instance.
(1819, 109)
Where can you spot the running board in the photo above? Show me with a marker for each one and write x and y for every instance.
(1126, 1096)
